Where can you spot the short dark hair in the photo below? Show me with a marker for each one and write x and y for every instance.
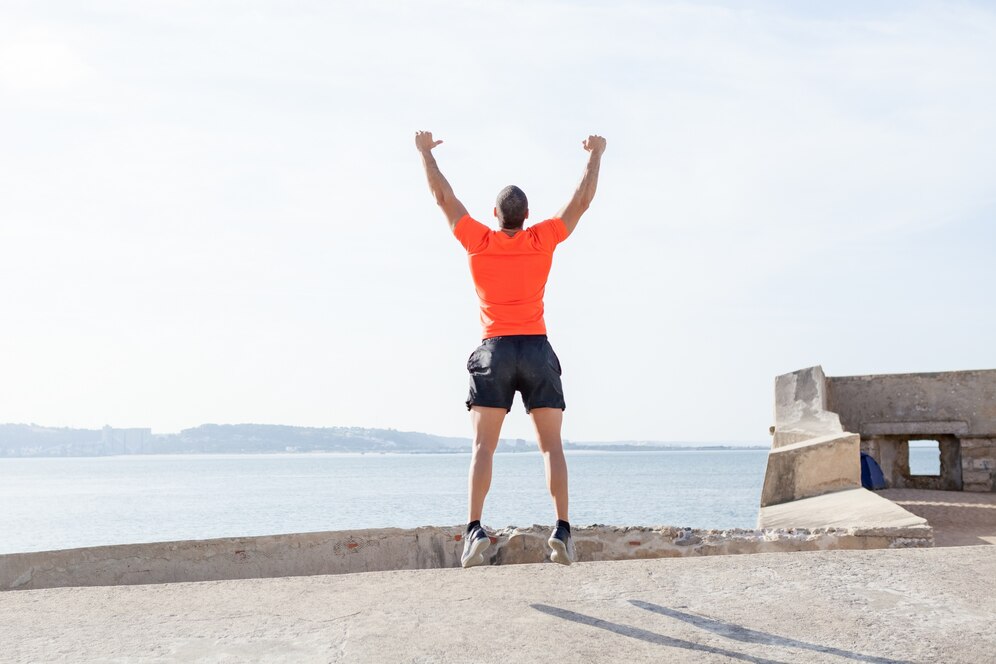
(512, 207)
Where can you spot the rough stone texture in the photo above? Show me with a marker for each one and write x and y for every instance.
(801, 409)
(955, 408)
(978, 464)
(395, 548)
(811, 454)
(921, 605)
(954, 402)
(892, 455)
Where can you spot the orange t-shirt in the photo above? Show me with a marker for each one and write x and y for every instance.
(510, 273)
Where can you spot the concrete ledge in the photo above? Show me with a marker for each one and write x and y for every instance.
(858, 510)
(305, 554)
(812, 467)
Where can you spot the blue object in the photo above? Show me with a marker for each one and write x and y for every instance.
(871, 474)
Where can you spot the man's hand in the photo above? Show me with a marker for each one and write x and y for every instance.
(594, 144)
(440, 187)
(571, 213)
(424, 142)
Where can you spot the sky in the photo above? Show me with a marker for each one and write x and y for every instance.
(214, 211)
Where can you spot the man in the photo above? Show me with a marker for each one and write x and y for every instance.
(510, 268)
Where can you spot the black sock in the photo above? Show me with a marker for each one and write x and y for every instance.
(563, 524)
(472, 525)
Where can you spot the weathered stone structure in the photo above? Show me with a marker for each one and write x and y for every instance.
(823, 423)
(811, 453)
(813, 478)
(379, 549)
(955, 408)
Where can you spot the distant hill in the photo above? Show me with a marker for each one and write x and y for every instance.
(21, 440)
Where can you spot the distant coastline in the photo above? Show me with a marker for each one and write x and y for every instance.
(32, 440)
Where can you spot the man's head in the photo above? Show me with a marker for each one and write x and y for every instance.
(511, 208)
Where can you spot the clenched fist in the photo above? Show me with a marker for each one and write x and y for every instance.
(594, 144)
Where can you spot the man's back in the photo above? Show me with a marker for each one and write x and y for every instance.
(510, 273)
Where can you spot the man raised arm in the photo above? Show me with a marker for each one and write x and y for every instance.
(571, 213)
(441, 189)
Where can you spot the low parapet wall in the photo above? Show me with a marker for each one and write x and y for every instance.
(341, 552)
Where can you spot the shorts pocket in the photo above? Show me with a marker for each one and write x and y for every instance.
(479, 361)
(553, 360)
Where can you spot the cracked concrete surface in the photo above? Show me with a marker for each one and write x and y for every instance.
(915, 605)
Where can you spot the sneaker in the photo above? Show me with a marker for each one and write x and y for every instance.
(563, 546)
(475, 543)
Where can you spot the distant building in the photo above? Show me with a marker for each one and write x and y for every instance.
(126, 441)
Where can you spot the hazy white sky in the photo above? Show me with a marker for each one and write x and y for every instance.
(214, 212)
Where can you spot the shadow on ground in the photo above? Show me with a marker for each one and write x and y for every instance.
(959, 518)
(724, 629)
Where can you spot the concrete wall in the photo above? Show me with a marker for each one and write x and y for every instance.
(342, 552)
(813, 477)
(955, 408)
(951, 402)
(811, 454)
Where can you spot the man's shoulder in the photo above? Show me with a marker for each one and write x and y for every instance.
(467, 223)
(553, 229)
(471, 233)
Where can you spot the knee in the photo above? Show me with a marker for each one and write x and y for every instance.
(551, 446)
(483, 449)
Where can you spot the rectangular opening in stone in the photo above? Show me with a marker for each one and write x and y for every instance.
(925, 457)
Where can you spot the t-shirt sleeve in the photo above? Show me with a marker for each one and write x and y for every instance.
(550, 233)
(471, 234)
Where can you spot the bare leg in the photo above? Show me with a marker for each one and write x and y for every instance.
(548, 422)
(487, 427)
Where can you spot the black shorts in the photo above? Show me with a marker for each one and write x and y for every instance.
(525, 363)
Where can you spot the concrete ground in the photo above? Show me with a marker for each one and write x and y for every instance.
(916, 605)
(959, 518)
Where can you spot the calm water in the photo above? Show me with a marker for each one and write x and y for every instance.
(55, 503)
(58, 503)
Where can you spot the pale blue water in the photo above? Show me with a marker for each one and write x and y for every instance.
(56, 503)
(925, 459)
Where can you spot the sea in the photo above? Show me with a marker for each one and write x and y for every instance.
(58, 503)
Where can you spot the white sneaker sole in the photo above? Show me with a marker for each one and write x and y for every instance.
(476, 556)
(559, 554)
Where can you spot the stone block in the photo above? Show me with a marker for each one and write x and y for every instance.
(977, 476)
(801, 407)
(976, 453)
(977, 443)
(812, 468)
